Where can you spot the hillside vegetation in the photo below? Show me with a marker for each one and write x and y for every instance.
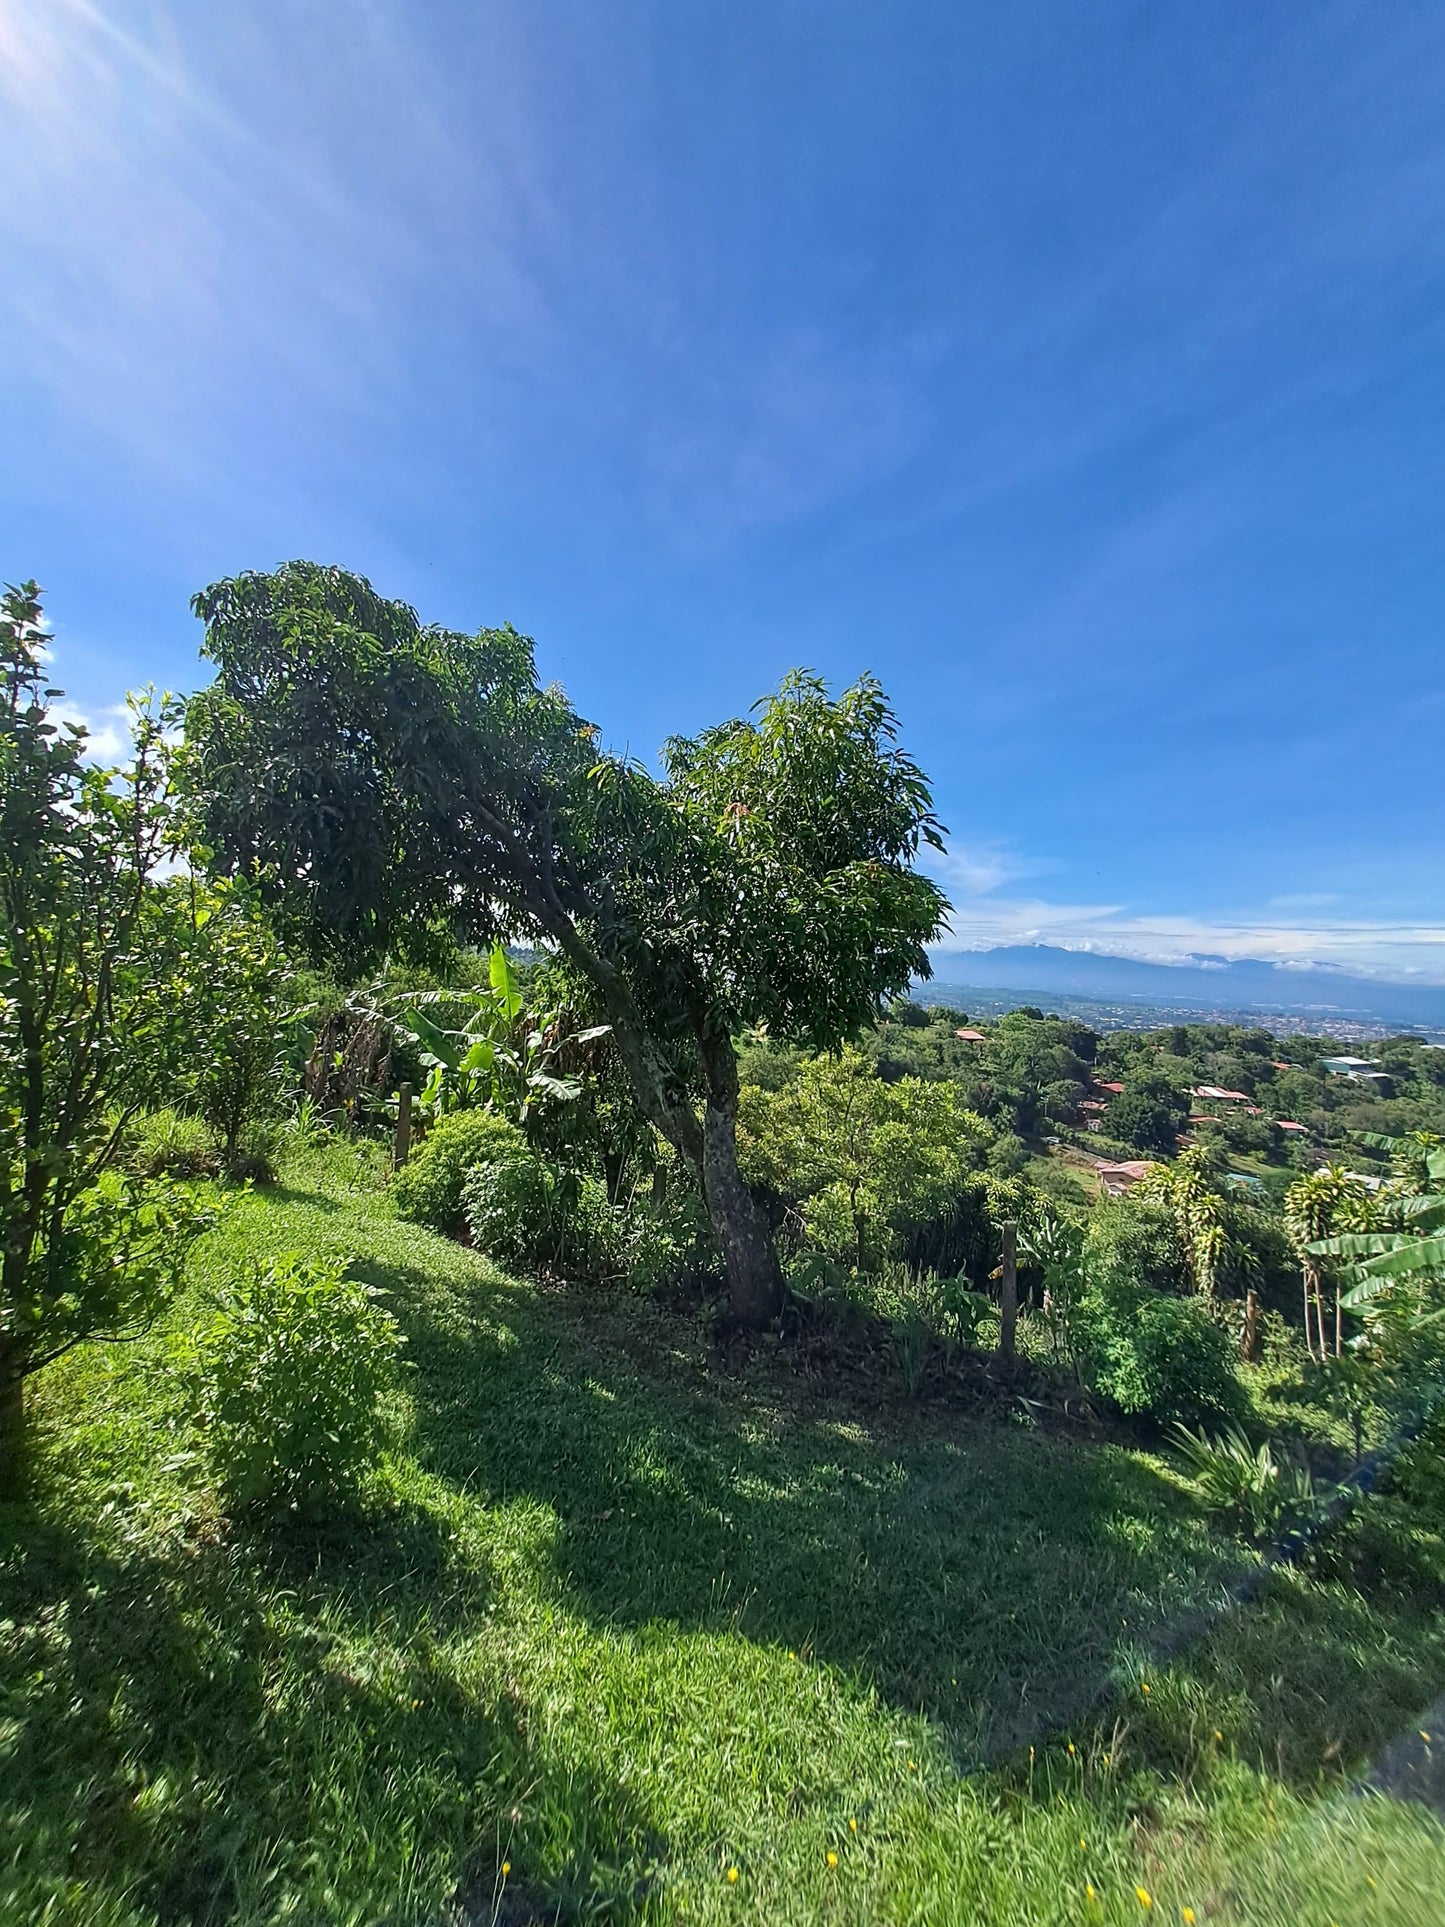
(629, 1614)
(537, 1385)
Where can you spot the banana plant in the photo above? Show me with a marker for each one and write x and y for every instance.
(1393, 1272)
(1409, 1241)
(499, 1053)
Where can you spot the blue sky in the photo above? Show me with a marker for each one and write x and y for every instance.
(1079, 370)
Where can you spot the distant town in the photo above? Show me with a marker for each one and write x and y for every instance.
(1128, 1013)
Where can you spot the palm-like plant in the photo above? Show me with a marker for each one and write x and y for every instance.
(1055, 1243)
(1394, 1261)
(1188, 1189)
(1318, 1208)
(1251, 1483)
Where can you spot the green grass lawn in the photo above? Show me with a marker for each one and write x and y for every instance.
(633, 1631)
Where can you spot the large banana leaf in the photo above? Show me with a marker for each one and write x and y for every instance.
(1419, 1257)
(1359, 1244)
(505, 983)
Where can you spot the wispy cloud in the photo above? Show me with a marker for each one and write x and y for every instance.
(976, 868)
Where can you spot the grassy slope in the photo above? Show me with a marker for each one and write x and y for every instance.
(626, 1619)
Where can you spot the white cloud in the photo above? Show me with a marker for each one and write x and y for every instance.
(975, 869)
(1362, 946)
(1283, 932)
(107, 738)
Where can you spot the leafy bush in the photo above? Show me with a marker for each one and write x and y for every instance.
(294, 1377)
(664, 1241)
(233, 992)
(1160, 1357)
(1248, 1483)
(429, 1189)
(1149, 1113)
(861, 1158)
(1133, 1243)
(537, 1215)
(542, 1216)
(1008, 1155)
(930, 1316)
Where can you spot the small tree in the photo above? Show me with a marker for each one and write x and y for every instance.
(232, 995)
(1189, 1190)
(88, 946)
(379, 779)
(862, 1156)
(1149, 1114)
(1317, 1207)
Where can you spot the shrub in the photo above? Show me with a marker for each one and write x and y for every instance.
(538, 1215)
(527, 1211)
(294, 1376)
(1133, 1243)
(169, 1144)
(257, 1151)
(664, 1241)
(1008, 1155)
(1248, 1483)
(1160, 1357)
(861, 1158)
(429, 1188)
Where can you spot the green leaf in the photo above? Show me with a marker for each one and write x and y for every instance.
(505, 982)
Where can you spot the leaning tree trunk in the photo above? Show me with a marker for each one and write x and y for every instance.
(745, 1239)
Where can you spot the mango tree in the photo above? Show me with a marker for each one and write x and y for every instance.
(380, 780)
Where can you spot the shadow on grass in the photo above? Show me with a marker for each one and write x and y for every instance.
(970, 1571)
(201, 1733)
(979, 1572)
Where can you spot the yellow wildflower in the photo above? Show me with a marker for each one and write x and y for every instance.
(1071, 1749)
(852, 1826)
(832, 1858)
(1089, 1893)
(1186, 1914)
(1146, 1899)
(732, 1876)
(506, 1868)
(1144, 1686)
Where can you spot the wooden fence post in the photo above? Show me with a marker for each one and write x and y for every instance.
(1249, 1337)
(402, 1149)
(1008, 1312)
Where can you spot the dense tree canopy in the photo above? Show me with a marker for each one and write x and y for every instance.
(381, 779)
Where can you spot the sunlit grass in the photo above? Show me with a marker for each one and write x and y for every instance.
(669, 1640)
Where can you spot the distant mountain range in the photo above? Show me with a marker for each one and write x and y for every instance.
(1249, 984)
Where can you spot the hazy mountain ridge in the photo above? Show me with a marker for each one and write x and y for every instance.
(1248, 984)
